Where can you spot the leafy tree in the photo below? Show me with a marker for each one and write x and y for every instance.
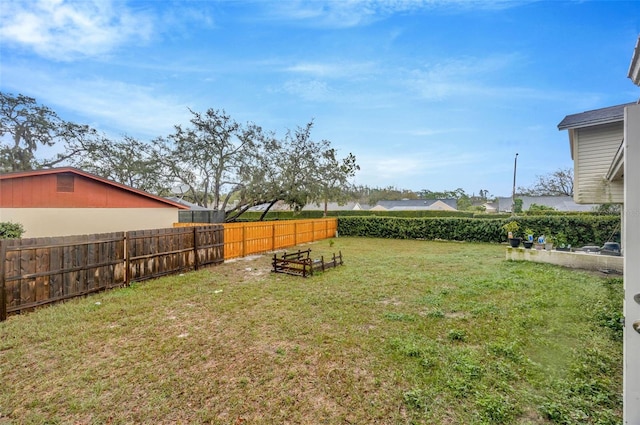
(517, 205)
(446, 194)
(24, 126)
(334, 175)
(207, 156)
(296, 170)
(127, 161)
(389, 193)
(260, 176)
(464, 203)
(214, 156)
(557, 183)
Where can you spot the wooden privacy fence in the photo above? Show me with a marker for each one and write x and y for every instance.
(242, 239)
(39, 271)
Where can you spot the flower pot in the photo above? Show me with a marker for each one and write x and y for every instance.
(514, 242)
(548, 246)
(528, 244)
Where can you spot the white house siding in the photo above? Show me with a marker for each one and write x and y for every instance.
(593, 151)
(39, 222)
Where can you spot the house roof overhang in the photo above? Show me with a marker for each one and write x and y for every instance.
(634, 68)
(616, 169)
(610, 114)
(600, 116)
(76, 171)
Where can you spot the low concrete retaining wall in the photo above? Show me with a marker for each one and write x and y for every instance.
(575, 260)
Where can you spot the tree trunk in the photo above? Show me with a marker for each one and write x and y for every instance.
(264, 214)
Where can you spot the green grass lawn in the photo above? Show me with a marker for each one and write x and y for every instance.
(405, 332)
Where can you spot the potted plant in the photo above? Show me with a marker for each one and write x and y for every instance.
(549, 241)
(540, 242)
(528, 238)
(512, 233)
(561, 242)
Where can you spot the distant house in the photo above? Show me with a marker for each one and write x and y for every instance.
(490, 207)
(417, 205)
(68, 201)
(558, 203)
(334, 206)
(595, 139)
(278, 206)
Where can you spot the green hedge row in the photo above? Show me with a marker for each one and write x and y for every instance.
(290, 215)
(579, 230)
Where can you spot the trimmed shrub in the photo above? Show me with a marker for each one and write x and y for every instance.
(579, 229)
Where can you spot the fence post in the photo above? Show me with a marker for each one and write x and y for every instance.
(127, 254)
(195, 248)
(313, 230)
(3, 295)
(220, 239)
(273, 236)
(295, 233)
(244, 239)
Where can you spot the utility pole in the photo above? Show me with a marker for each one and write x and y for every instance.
(513, 194)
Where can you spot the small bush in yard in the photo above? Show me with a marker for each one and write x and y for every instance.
(11, 230)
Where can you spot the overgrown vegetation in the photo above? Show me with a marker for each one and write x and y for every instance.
(406, 332)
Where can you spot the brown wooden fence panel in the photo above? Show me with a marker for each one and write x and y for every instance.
(41, 271)
(209, 245)
(3, 297)
(159, 252)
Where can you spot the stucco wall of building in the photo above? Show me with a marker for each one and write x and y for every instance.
(44, 222)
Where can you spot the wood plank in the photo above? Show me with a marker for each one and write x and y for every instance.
(3, 296)
(55, 264)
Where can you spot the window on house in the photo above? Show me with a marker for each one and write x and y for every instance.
(65, 182)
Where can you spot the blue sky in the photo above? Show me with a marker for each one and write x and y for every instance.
(432, 94)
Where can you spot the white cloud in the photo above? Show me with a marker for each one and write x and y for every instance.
(312, 90)
(69, 29)
(474, 77)
(351, 13)
(407, 166)
(108, 105)
(333, 70)
(458, 76)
